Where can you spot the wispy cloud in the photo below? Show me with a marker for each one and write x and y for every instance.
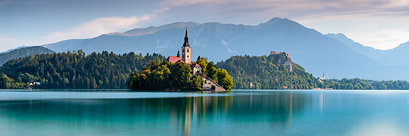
(9, 43)
(100, 26)
(370, 22)
(300, 7)
(97, 27)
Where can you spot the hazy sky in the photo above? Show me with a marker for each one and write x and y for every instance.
(382, 24)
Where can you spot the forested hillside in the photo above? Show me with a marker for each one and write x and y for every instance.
(363, 84)
(265, 73)
(73, 70)
(22, 52)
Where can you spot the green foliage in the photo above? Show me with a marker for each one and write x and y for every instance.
(223, 79)
(8, 83)
(163, 75)
(264, 73)
(23, 52)
(197, 83)
(158, 76)
(76, 70)
(363, 84)
(181, 74)
(202, 63)
(211, 71)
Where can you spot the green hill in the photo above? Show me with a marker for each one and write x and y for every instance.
(23, 52)
(73, 70)
(266, 72)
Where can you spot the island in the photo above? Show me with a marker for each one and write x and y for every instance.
(179, 73)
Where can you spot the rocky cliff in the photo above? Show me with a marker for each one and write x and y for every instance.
(283, 58)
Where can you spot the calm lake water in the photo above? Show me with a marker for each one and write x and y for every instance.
(241, 112)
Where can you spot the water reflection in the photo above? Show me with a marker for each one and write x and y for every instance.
(236, 113)
(132, 116)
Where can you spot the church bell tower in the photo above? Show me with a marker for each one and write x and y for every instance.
(186, 51)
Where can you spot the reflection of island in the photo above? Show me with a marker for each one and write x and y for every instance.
(173, 116)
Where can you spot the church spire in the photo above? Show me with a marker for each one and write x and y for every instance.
(186, 43)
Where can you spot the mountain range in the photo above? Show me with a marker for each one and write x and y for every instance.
(23, 52)
(333, 54)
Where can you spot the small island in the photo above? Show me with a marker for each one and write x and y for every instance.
(179, 73)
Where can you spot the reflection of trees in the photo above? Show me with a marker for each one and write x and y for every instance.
(178, 113)
(273, 108)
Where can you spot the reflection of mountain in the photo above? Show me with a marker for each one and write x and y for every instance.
(174, 116)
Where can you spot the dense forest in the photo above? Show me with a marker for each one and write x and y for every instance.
(166, 75)
(23, 52)
(73, 70)
(265, 73)
(357, 84)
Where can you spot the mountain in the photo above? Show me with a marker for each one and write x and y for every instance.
(371, 52)
(267, 72)
(23, 52)
(397, 56)
(13, 49)
(316, 52)
(335, 54)
(391, 57)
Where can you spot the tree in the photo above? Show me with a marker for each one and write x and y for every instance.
(143, 85)
(181, 76)
(93, 84)
(197, 83)
(202, 64)
(133, 82)
(97, 66)
(211, 71)
(5, 81)
(223, 79)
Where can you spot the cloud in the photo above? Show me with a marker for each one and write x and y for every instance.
(100, 26)
(10, 43)
(370, 22)
(382, 39)
(97, 27)
(380, 32)
(293, 8)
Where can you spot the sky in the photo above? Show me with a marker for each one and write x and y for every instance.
(382, 24)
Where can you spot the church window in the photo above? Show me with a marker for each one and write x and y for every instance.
(187, 50)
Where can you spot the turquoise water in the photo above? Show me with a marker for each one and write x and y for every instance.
(241, 112)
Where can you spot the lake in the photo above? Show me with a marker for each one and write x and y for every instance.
(240, 112)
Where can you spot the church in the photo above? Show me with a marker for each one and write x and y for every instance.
(196, 69)
(186, 57)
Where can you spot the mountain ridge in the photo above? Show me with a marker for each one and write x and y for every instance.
(313, 50)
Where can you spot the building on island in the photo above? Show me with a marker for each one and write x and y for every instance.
(322, 78)
(186, 51)
(196, 69)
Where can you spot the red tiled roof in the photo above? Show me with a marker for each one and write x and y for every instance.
(193, 65)
(272, 52)
(174, 59)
